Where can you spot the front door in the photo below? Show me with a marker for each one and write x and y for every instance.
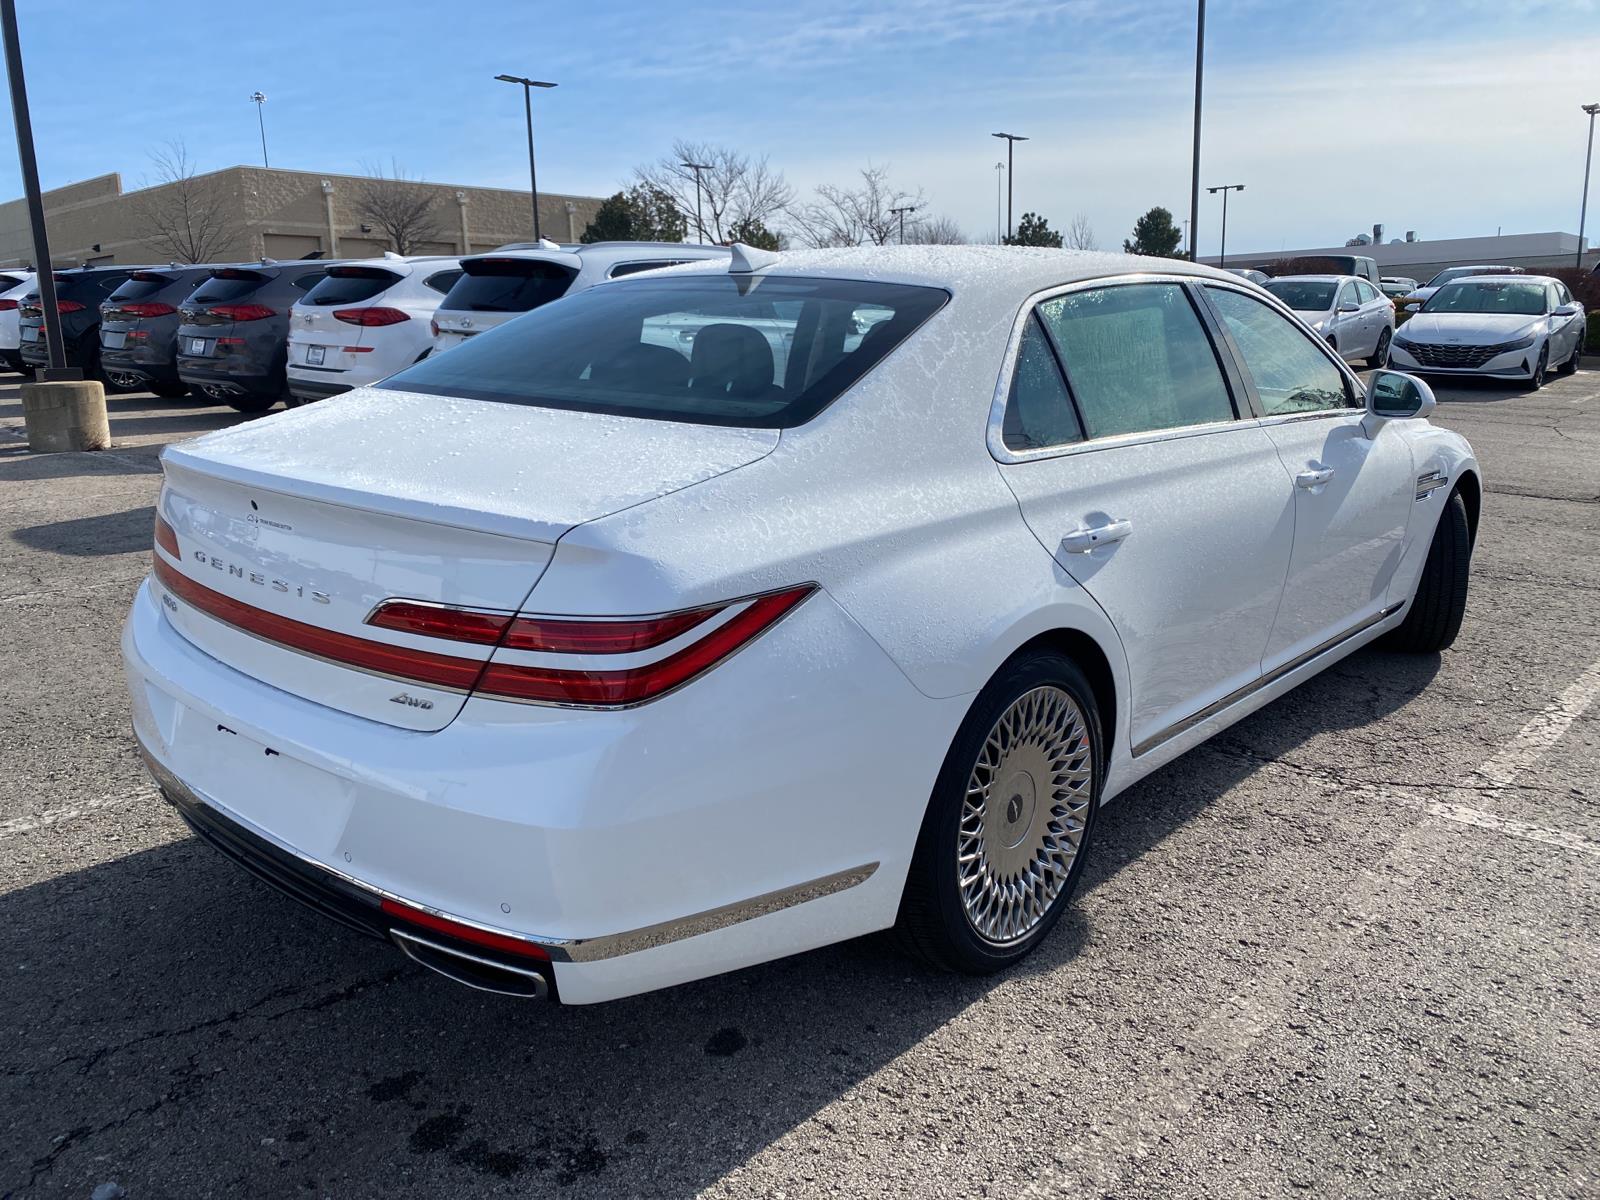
(1138, 477)
(1353, 493)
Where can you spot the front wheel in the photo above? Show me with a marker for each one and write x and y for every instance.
(1008, 826)
(1441, 598)
(1536, 380)
(1380, 356)
(1570, 367)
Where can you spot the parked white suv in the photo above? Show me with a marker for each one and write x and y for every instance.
(514, 279)
(14, 285)
(1354, 316)
(364, 321)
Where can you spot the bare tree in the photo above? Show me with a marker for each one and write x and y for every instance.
(734, 189)
(935, 231)
(186, 216)
(403, 209)
(1080, 234)
(854, 216)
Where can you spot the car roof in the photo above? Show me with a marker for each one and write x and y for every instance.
(1015, 269)
(1316, 278)
(1500, 277)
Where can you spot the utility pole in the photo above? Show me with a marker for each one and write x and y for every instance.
(699, 223)
(999, 188)
(261, 98)
(1194, 177)
(1222, 259)
(901, 213)
(1583, 211)
(527, 106)
(1011, 145)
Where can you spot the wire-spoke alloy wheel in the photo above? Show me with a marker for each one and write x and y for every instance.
(1010, 820)
(1022, 820)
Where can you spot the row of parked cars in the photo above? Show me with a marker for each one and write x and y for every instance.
(250, 334)
(1487, 320)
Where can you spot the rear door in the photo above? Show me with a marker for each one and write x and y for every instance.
(1353, 493)
(1138, 476)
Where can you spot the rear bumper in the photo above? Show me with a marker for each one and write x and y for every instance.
(304, 387)
(141, 365)
(248, 378)
(768, 808)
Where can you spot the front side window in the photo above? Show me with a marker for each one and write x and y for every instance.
(767, 353)
(1137, 359)
(1290, 373)
(1349, 295)
(1365, 291)
(1039, 411)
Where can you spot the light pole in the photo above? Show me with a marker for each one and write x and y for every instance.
(57, 370)
(999, 189)
(699, 224)
(1194, 176)
(1011, 145)
(1583, 212)
(527, 104)
(1222, 259)
(261, 98)
(901, 213)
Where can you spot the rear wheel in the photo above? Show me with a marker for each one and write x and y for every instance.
(1008, 826)
(1380, 356)
(1441, 598)
(1536, 380)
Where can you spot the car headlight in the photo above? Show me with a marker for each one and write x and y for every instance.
(1522, 343)
(1316, 326)
(1401, 340)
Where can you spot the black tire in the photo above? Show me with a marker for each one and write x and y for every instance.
(1539, 369)
(1380, 356)
(933, 923)
(1441, 598)
(251, 404)
(1570, 367)
(169, 391)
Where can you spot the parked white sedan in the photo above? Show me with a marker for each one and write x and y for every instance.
(1508, 326)
(1355, 317)
(584, 659)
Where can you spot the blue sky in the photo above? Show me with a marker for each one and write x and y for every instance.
(1451, 117)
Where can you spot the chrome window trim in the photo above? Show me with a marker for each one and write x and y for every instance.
(995, 429)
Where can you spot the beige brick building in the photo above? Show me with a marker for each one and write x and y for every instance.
(277, 214)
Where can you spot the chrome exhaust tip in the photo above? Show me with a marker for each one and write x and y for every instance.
(482, 973)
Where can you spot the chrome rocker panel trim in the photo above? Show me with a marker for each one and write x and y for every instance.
(571, 950)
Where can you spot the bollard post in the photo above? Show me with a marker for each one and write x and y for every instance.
(65, 415)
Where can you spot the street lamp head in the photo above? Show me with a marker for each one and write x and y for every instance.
(696, 166)
(523, 82)
(259, 97)
(1591, 109)
(1010, 137)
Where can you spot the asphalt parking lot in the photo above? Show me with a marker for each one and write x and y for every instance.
(1350, 947)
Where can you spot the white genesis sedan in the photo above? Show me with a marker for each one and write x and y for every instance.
(1517, 327)
(713, 615)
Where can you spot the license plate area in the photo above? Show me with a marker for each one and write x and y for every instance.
(315, 355)
(113, 340)
(30, 333)
(197, 346)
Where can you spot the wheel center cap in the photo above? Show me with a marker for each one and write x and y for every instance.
(1020, 798)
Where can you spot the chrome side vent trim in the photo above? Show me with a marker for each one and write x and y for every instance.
(1430, 482)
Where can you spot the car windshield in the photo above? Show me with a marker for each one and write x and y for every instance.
(1489, 296)
(1302, 294)
(761, 352)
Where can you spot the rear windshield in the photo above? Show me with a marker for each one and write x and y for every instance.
(507, 285)
(227, 285)
(1306, 297)
(347, 285)
(1489, 296)
(768, 353)
(140, 287)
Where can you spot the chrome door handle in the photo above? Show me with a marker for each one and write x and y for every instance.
(1081, 541)
(1311, 479)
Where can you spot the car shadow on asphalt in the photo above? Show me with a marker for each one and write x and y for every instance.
(229, 1030)
(85, 537)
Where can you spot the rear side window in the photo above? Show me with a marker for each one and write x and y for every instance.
(1137, 359)
(1039, 411)
(633, 268)
(226, 286)
(309, 280)
(766, 353)
(1290, 373)
(508, 285)
(349, 285)
(443, 281)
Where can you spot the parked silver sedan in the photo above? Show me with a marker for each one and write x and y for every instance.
(1355, 317)
(1510, 326)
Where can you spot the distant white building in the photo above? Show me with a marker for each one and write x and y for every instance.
(1420, 259)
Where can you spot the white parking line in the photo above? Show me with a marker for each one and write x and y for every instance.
(55, 816)
(1539, 734)
(1517, 829)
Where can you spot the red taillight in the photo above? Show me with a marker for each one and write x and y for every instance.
(68, 306)
(166, 538)
(437, 620)
(242, 312)
(7, 305)
(370, 316)
(635, 685)
(433, 327)
(548, 635)
(466, 933)
(152, 309)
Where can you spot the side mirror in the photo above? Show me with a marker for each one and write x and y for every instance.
(1396, 396)
(1566, 310)
(1349, 308)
